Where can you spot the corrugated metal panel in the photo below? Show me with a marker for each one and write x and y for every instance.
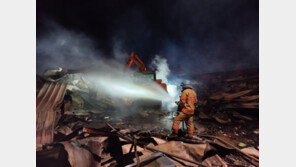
(49, 98)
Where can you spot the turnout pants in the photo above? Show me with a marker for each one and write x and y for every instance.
(188, 118)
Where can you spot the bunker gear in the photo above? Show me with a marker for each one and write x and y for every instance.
(187, 107)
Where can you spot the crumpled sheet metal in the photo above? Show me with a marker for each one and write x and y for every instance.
(194, 152)
(191, 151)
(214, 161)
(156, 159)
(49, 98)
(79, 156)
(159, 140)
(87, 152)
(251, 151)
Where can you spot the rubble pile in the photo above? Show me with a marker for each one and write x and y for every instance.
(74, 130)
(227, 95)
(77, 144)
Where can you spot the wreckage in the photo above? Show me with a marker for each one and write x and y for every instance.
(76, 127)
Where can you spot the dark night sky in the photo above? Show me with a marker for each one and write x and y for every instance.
(194, 35)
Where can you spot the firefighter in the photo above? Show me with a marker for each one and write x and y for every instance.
(186, 109)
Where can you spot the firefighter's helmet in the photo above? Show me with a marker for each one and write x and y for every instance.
(186, 83)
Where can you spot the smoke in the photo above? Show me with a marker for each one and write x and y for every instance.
(163, 72)
(162, 67)
(192, 37)
(195, 36)
(75, 50)
(63, 48)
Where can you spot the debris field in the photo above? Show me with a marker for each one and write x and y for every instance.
(74, 131)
